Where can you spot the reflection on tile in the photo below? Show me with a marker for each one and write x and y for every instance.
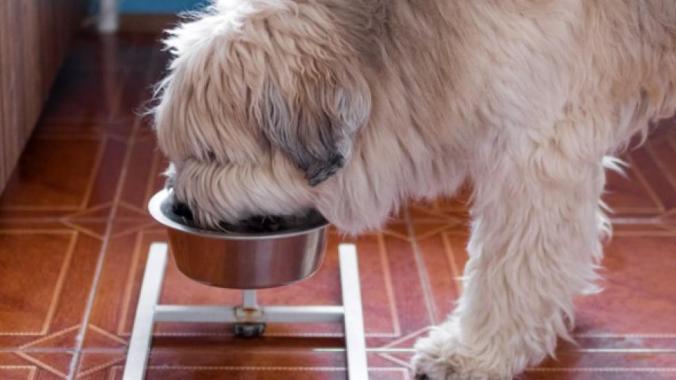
(63, 176)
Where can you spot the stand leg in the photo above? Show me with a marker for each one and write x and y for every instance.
(141, 336)
(249, 299)
(355, 341)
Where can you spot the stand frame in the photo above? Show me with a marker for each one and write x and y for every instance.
(250, 313)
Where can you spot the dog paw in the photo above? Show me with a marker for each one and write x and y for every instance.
(440, 356)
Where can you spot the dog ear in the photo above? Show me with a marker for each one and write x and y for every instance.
(314, 120)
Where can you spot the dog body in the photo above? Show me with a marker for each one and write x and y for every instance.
(353, 106)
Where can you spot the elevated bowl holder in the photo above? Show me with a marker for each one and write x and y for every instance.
(244, 262)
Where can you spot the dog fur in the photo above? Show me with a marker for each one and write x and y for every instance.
(352, 107)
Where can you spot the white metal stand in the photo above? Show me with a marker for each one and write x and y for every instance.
(249, 314)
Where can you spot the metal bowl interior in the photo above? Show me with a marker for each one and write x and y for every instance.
(239, 260)
(160, 207)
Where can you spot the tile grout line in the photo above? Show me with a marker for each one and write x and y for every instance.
(126, 295)
(75, 361)
(643, 181)
(422, 272)
(99, 267)
(650, 149)
(385, 263)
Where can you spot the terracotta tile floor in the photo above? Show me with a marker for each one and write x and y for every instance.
(74, 235)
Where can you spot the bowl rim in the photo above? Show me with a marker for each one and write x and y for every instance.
(155, 209)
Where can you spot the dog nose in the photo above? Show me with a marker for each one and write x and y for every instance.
(421, 376)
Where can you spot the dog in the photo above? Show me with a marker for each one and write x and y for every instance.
(351, 107)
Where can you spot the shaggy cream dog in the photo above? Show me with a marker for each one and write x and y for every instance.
(272, 107)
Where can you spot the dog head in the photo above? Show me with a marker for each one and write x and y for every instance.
(262, 107)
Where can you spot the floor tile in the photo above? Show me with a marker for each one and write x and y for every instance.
(34, 366)
(46, 280)
(82, 184)
(231, 362)
(143, 177)
(629, 193)
(638, 296)
(602, 366)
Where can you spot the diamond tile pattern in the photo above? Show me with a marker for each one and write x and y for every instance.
(74, 235)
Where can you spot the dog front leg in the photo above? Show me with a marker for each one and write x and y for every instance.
(533, 247)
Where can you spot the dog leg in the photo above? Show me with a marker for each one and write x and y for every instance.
(534, 246)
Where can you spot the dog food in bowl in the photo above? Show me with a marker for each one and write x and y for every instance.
(180, 213)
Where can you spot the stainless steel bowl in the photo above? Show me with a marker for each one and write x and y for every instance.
(241, 261)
